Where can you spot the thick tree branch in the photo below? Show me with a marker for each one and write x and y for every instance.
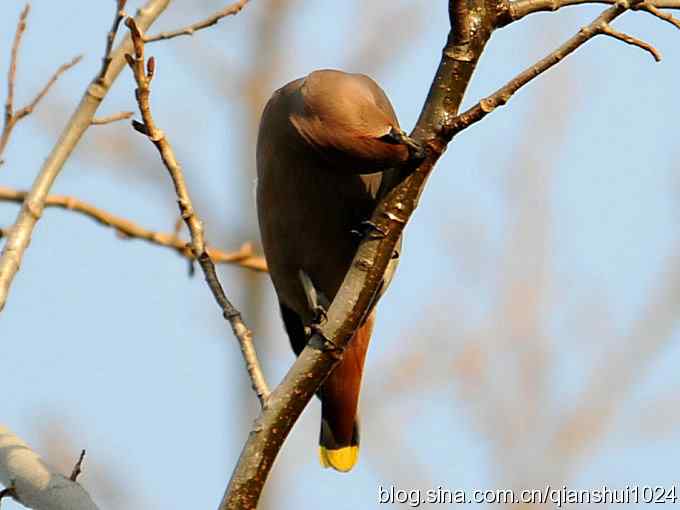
(325, 349)
(20, 233)
(472, 23)
(144, 72)
(244, 257)
(230, 10)
(12, 117)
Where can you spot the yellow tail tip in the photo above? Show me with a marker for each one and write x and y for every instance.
(342, 459)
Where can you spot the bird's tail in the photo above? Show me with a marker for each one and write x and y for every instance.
(339, 438)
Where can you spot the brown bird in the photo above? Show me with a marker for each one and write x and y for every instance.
(323, 143)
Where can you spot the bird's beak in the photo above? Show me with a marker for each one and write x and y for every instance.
(396, 136)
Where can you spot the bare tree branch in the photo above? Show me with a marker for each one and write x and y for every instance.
(12, 73)
(518, 9)
(654, 11)
(472, 23)
(230, 10)
(20, 233)
(499, 98)
(613, 379)
(28, 109)
(606, 29)
(111, 37)
(144, 72)
(12, 116)
(325, 349)
(244, 257)
(100, 121)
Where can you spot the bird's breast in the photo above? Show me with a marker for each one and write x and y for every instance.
(309, 218)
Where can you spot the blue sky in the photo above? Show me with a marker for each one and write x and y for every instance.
(541, 240)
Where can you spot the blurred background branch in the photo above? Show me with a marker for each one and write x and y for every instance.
(126, 229)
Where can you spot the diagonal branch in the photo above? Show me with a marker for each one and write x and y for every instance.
(622, 370)
(12, 117)
(655, 11)
(111, 37)
(503, 95)
(230, 10)
(606, 29)
(601, 25)
(20, 233)
(325, 349)
(518, 9)
(78, 468)
(144, 73)
(12, 73)
(28, 109)
(472, 23)
(244, 257)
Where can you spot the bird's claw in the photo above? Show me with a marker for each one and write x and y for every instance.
(320, 315)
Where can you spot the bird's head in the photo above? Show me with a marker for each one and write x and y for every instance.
(349, 121)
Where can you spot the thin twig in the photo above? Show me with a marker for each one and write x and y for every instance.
(653, 10)
(244, 257)
(77, 469)
(503, 95)
(11, 117)
(144, 72)
(12, 73)
(518, 9)
(28, 109)
(111, 37)
(230, 10)
(100, 121)
(81, 119)
(606, 29)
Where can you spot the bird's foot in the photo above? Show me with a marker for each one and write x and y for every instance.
(320, 315)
